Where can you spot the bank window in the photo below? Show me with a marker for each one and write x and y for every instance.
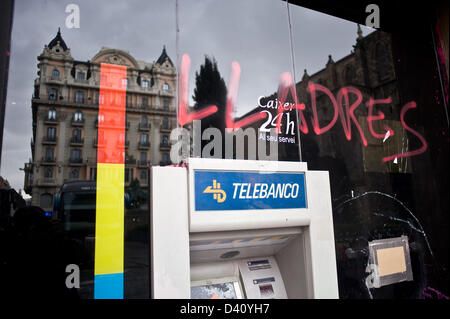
(166, 87)
(145, 84)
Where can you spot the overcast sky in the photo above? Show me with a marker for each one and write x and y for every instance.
(254, 33)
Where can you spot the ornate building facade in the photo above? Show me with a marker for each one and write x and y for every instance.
(65, 118)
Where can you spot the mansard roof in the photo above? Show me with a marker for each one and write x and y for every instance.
(162, 58)
(57, 39)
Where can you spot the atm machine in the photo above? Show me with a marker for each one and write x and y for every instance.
(241, 229)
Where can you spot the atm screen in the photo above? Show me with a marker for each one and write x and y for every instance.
(226, 290)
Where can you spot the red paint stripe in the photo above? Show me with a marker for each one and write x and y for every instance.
(111, 124)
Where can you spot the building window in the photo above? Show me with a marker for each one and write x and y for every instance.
(78, 116)
(55, 74)
(51, 133)
(51, 115)
(165, 140)
(74, 174)
(144, 101)
(93, 173)
(76, 136)
(79, 97)
(165, 158)
(53, 94)
(125, 82)
(144, 138)
(80, 75)
(144, 121)
(48, 172)
(165, 123)
(143, 175)
(145, 84)
(165, 104)
(143, 158)
(75, 155)
(128, 175)
(49, 154)
(166, 87)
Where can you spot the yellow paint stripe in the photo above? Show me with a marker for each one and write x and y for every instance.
(109, 225)
(257, 239)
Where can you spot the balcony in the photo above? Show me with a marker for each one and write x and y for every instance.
(112, 125)
(130, 161)
(76, 141)
(46, 181)
(166, 129)
(77, 122)
(164, 163)
(164, 146)
(48, 160)
(50, 121)
(81, 81)
(79, 100)
(167, 93)
(144, 126)
(54, 80)
(49, 140)
(52, 97)
(142, 163)
(75, 161)
(144, 145)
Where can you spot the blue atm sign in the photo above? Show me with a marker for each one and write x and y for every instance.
(230, 190)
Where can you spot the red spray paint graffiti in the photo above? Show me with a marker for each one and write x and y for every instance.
(231, 101)
(183, 116)
(340, 103)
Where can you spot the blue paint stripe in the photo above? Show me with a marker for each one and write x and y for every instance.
(108, 286)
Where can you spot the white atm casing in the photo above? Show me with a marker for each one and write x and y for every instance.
(306, 262)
